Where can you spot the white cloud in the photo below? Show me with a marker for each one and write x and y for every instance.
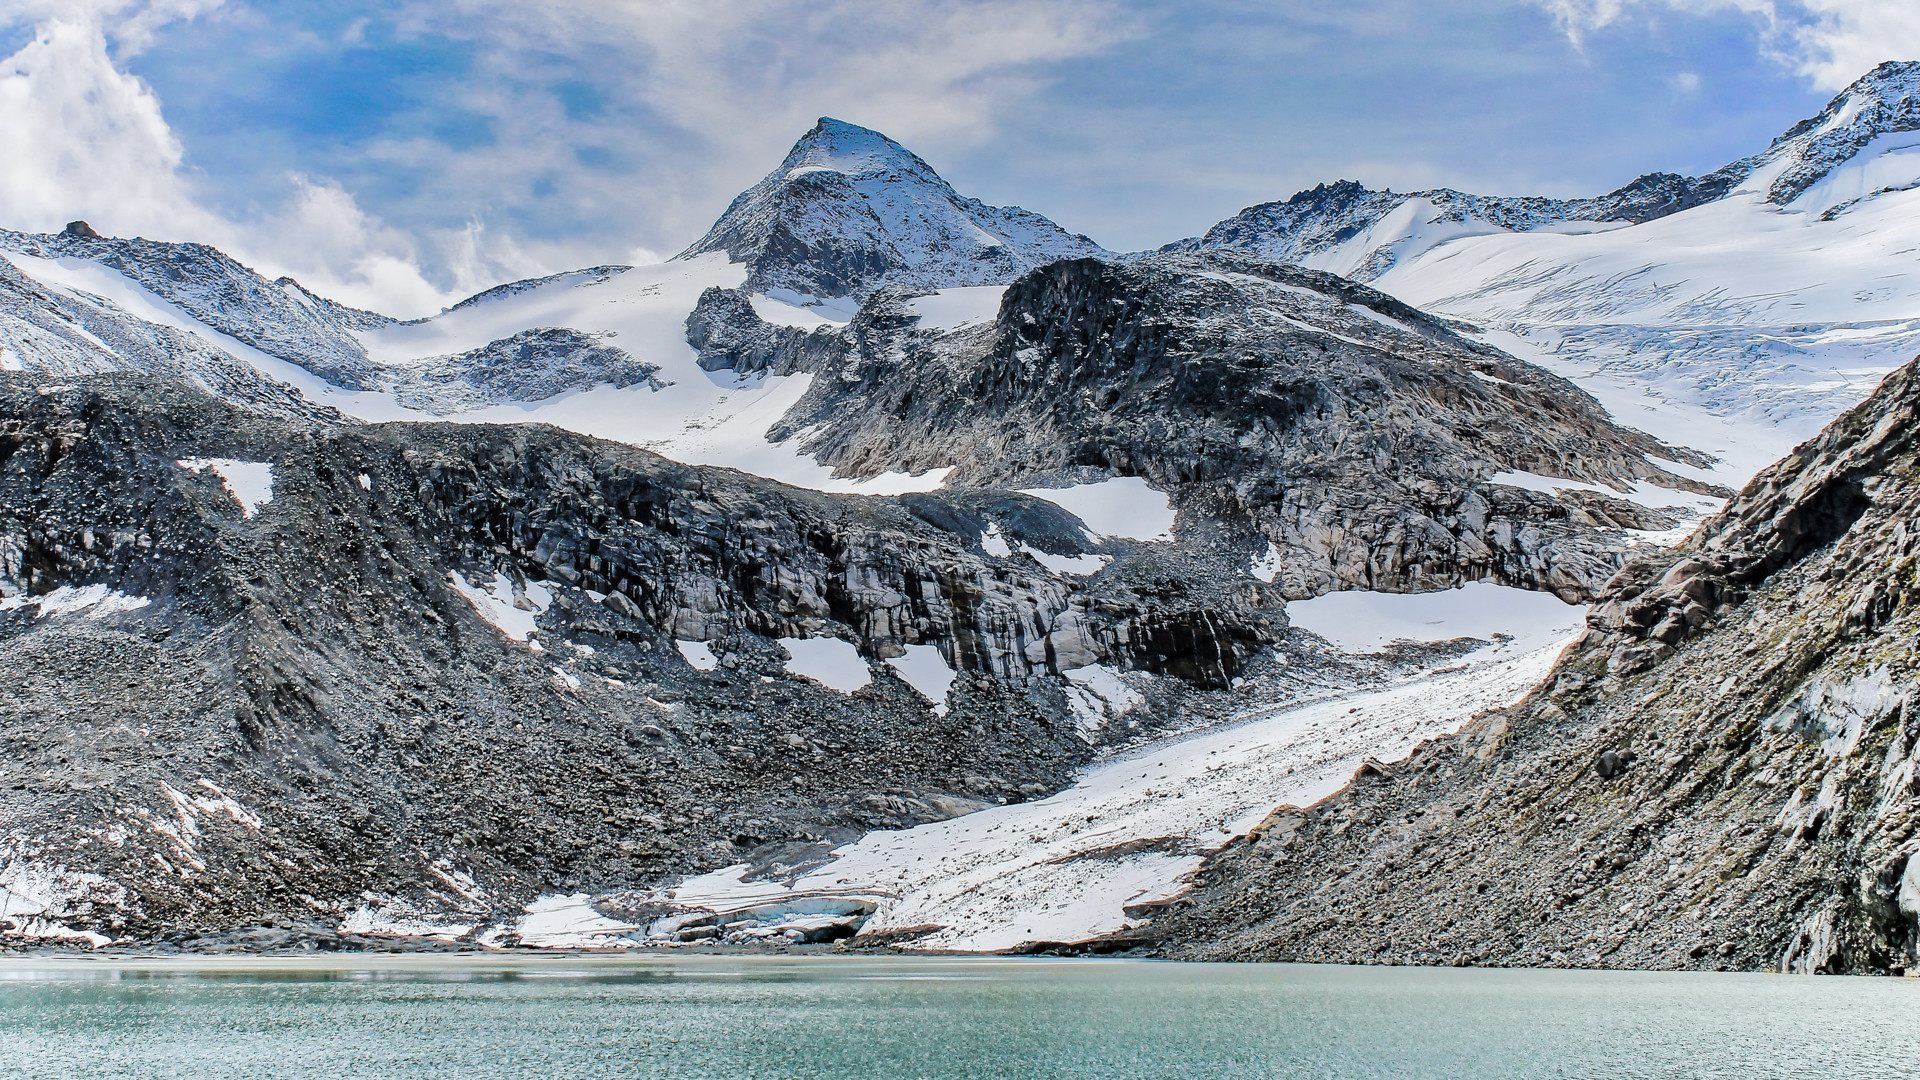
(132, 23)
(86, 140)
(703, 96)
(1831, 42)
(1848, 37)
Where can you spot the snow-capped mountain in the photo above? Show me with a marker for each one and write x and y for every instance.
(850, 210)
(528, 667)
(1774, 291)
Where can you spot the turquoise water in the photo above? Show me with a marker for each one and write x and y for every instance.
(922, 1018)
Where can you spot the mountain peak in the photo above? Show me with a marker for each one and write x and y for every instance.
(1895, 79)
(1884, 101)
(850, 210)
(860, 153)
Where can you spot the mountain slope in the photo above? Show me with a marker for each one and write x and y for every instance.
(1721, 773)
(850, 210)
(279, 318)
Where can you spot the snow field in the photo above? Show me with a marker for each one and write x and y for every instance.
(1063, 868)
(831, 662)
(1123, 506)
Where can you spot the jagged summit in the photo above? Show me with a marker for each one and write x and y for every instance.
(863, 153)
(849, 210)
(1884, 101)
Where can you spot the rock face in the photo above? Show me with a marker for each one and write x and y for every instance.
(850, 210)
(253, 668)
(1721, 774)
(1354, 434)
(1885, 101)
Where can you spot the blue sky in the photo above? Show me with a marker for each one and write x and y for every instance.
(470, 140)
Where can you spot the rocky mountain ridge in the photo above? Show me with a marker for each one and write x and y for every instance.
(1885, 101)
(388, 658)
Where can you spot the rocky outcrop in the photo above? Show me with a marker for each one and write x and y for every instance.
(850, 211)
(532, 365)
(1352, 433)
(254, 669)
(1720, 774)
(730, 336)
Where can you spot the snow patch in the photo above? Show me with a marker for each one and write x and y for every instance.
(1123, 506)
(508, 610)
(995, 544)
(1364, 622)
(1267, 567)
(97, 600)
(249, 482)
(392, 916)
(35, 897)
(831, 662)
(698, 653)
(924, 669)
(571, 922)
(1077, 565)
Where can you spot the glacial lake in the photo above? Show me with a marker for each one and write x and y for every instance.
(345, 1018)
